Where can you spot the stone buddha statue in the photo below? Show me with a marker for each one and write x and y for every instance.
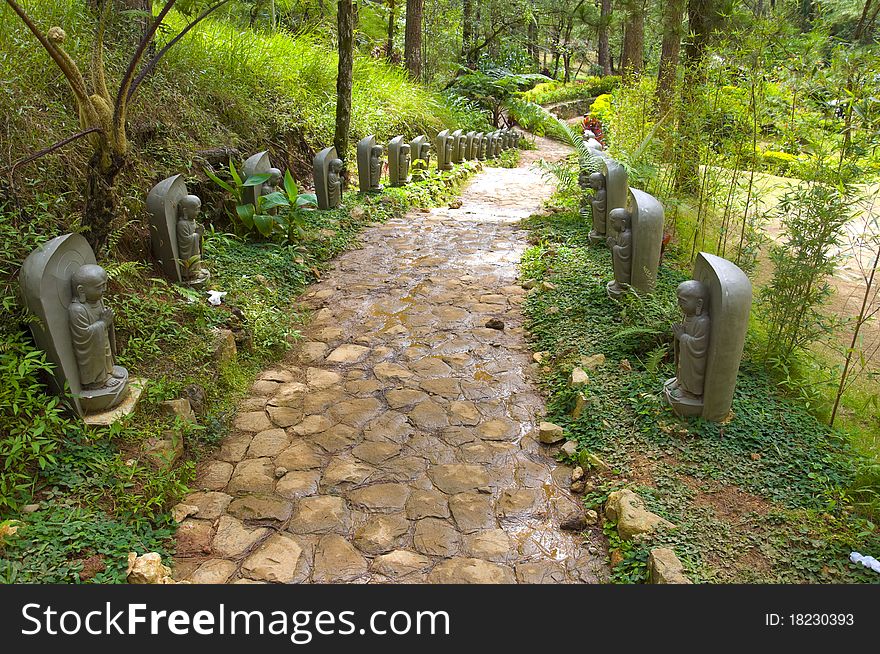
(449, 146)
(189, 240)
(403, 161)
(334, 182)
(376, 160)
(271, 185)
(599, 203)
(691, 342)
(91, 330)
(621, 250)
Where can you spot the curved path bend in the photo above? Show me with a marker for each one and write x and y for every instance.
(395, 443)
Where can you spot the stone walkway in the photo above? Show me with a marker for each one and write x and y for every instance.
(396, 443)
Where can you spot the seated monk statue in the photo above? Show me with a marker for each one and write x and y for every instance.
(91, 329)
(598, 202)
(403, 161)
(621, 249)
(189, 239)
(334, 182)
(691, 341)
(376, 153)
(271, 185)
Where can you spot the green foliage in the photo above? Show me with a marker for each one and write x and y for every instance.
(552, 92)
(812, 216)
(493, 90)
(789, 517)
(53, 544)
(31, 423)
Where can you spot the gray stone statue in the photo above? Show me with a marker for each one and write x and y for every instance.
(327, 169)
(637, 235)
(616, 185)
(708, 342)
(599, 206)
(470, 138)
(497, 149)
(444, 150)
(478, 144)
(189, 241)
(621, 251)
(258, 164)
(483, 153)
(458, 144)
(370, 160)
(175, 233)
(420, 149)
(63, 287)
(398, 162)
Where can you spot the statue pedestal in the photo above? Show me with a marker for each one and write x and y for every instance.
(105, 418)
(596, 238)
(101, 399)
(687, 407)
(615, 290)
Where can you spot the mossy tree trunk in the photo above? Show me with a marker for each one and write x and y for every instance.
(412, 51)
(604, 49)
(673, 15)
(345, 19)
(633, 57)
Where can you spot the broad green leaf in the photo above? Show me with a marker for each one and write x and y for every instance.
(246, 214)
(264, 223)
(306, 200)
(256, 180)
(226, 186)
(272, 200)
(235, 176)
(290, 186)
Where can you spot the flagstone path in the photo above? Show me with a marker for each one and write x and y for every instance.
(397, 441)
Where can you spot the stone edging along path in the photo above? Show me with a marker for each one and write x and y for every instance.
(396, 442)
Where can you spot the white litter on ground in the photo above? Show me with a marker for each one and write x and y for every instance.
(867, 561)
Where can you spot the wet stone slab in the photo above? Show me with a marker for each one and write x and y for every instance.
(394, 444)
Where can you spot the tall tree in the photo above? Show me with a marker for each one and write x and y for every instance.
(412, 50)
(633, 56)
(345, 19)
(604, 50)
(389, 46)
(673, 15)
(467, 33)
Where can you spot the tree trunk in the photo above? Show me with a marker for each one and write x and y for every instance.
(100, 198)
(673, 13)
(701, 19)
(345, 19)
(633, 57)
(533, 42)
(389, 46)
(604, 53)
(412, 52)
(467, 33)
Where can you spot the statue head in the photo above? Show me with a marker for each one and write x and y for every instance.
(692, 296)
(188, 207)
(335, 166)
(89, 283)
(588, 134)
(597, 181)
(619, 219)
(376, 151)
(275, 176)
(404, 152)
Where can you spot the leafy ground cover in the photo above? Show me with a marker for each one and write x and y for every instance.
(762, 498)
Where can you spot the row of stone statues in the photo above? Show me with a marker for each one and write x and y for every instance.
(451, 148)
(715, 304)
(63, 287)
